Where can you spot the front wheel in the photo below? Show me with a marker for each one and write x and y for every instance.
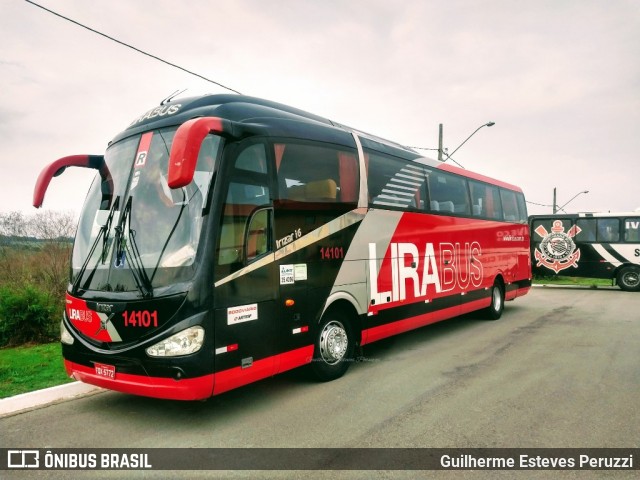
(494, 311)
(334, 347)
(629, 279)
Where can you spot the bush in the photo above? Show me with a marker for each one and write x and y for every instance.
(27, 315)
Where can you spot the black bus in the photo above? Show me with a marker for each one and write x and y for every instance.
(593, 245)
(226, 239)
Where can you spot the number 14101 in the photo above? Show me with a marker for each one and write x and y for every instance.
(331, 253)
(140, 318)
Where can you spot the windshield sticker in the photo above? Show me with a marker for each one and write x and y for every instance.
(241, 314)
(141, 157)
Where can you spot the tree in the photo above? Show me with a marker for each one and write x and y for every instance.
(55, 230)
(34, 273)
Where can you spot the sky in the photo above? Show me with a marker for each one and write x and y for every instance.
(560, 79)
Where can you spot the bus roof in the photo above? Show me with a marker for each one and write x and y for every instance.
(586, 215)
(280, 120)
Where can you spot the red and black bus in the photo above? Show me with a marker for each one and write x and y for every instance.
(591, 245)
(226, 239)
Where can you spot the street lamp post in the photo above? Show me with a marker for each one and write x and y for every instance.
(555, 206)
(450, 155)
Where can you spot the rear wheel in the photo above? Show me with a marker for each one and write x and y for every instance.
(494, 311)
(629, 279)
(334, 347)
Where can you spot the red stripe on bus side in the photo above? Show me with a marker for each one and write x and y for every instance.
(373, 334)
(263, 368)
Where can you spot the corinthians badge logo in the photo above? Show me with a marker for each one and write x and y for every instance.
(557, 250)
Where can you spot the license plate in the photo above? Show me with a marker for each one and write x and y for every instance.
(108, 371)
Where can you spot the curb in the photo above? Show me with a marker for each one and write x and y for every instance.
(39, 398)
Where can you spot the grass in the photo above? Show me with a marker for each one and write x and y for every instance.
(28, 368)
(560, 280)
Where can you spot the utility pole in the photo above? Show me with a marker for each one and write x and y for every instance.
(554, 201)
(440, 143)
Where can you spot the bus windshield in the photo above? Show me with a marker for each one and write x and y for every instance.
(135, 233)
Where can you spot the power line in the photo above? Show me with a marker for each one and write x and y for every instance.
(538, 204)
(132, 47)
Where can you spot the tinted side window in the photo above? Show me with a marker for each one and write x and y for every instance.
(485, 200)
(608, 230)
(316, 173)
(395, 182)
(586, 230)
(317, 183)
(510, 205)
(632, 230)
(448, 194)
(522, 207)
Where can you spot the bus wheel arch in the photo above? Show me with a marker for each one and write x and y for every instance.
(628, 278)
(497, 295)
(336, 337)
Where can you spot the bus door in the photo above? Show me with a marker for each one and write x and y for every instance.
(246, 277)
(317, 183)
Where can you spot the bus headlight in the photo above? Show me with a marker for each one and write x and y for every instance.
(65, 336)
(182, 343)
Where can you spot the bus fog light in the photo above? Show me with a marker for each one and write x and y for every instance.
(182, 343)
(65, 336)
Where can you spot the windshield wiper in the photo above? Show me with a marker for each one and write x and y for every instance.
(103, 234)
(127, 247)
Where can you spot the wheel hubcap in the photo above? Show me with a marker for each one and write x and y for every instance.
(497, 299)
(631, 279)
(333, 342)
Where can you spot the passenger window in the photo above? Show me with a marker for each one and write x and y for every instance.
(509, 206)
(448, 194)
(632, 230)
(316, 183)
(608, 230)
(586, 230)
(317, 174)
(522, 208)
(395, 182)
(485, 200)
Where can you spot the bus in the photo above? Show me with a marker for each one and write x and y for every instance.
(226, 239)
(592, 245)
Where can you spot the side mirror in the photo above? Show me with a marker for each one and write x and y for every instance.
(56, 168)
(186, 148)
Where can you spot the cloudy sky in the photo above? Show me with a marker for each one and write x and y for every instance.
(561, 79)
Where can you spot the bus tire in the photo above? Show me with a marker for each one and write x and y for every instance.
(494, 311)
(629, 279)
(334, 346)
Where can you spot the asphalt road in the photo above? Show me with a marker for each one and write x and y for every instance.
(559, 369)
